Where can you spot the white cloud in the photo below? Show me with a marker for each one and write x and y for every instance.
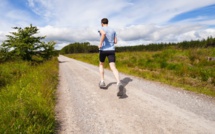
(156, 33)
(132, 35)
(68, 34)
(60, 45)
(2, 37)
(43, 8)
(80, 13)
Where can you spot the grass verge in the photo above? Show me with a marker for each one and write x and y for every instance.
(27, 97)
(188, 68)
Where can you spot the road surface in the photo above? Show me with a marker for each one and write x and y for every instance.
(146, 107)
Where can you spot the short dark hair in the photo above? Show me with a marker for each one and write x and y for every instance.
(104, 21)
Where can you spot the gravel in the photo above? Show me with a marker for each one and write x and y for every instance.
(145, 108)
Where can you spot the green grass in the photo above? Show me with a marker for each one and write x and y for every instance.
(188, 68)
(27, 97)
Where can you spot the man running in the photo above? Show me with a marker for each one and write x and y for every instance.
(107, 49)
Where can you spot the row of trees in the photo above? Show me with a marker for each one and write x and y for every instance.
(84, 47)
(209, 42)
(25, 45)
(87, 48)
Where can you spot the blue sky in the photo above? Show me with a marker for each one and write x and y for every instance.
(202, 14)
(135, 21)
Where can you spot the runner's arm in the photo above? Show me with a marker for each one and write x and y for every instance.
(115, 40)
(102, 38)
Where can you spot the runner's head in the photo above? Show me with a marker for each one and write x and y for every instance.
(104, 21)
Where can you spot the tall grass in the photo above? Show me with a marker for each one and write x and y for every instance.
(188, 68)
(27, 97)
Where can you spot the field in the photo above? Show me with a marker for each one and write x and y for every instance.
(27, 98)
(185, 68)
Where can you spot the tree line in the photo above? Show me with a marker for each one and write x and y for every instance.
(77, 47)
(87, 48)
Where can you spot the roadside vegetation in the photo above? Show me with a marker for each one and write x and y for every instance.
(190, 65)
(27, 97)
(28, 80)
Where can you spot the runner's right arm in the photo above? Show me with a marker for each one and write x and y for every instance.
(102, 38)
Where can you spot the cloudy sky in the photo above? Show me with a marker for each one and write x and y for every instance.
(135, 21)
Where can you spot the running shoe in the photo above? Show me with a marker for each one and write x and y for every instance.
(102, 84)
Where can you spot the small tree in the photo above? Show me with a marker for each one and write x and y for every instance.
(23, 43)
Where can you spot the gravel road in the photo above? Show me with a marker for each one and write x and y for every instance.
(146, 107)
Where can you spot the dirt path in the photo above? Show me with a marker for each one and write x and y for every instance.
(146, 108)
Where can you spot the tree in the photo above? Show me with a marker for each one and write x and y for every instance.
(23, 43)
(48, 49)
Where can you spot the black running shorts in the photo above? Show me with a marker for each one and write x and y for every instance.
(110, 54)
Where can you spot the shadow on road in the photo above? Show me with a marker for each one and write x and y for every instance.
(125, 82)
(108, 85)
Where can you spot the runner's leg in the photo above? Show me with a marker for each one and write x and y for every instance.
(102, 57)
(101, 70)
(115, 71)
(112, 59)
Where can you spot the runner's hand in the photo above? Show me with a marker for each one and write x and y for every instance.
(99, 46)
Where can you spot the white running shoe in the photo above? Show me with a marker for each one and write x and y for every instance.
(102, 84)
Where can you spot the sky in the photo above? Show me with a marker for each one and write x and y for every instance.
(136, 22)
